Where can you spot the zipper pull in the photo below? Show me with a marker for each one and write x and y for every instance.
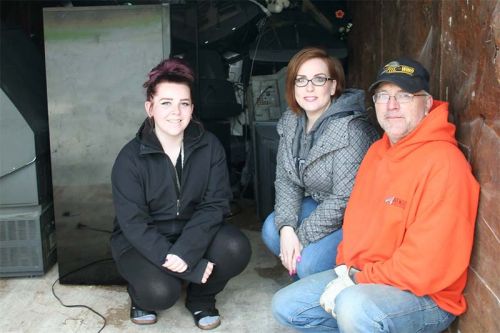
(178, 206)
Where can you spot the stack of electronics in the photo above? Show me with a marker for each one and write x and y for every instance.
(27, 229)
(267, 93)
(266, 96)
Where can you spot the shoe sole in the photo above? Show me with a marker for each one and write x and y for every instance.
(144, 322)
(209, 327)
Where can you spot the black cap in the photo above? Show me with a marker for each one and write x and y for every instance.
(406, 73)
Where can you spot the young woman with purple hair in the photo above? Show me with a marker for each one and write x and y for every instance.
(171, 193)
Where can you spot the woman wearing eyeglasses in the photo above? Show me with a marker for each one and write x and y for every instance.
(323, 138)
(171, 192)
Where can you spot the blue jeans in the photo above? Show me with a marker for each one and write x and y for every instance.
(359, 308)
(316, 257)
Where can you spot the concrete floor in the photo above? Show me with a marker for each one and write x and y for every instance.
(28, 306)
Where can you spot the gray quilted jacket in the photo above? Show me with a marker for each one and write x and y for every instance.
(328, 172)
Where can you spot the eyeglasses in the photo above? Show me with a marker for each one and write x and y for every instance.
(400, 97)
(317, 81)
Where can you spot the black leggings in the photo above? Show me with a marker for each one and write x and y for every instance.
(152, 288)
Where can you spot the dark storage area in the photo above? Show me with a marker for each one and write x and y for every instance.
(60, 60)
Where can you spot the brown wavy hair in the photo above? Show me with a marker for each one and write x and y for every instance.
(335, 69)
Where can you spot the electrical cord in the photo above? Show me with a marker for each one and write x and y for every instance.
(81, 305)
(84, 226)
(259, 98)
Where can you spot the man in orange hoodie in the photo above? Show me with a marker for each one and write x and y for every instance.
(408, 226)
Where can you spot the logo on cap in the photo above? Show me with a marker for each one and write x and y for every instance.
(395, 67)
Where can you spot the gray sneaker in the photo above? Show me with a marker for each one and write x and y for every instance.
(142, 317)
(207, 320)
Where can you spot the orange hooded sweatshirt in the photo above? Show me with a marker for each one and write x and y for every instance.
(410, 220)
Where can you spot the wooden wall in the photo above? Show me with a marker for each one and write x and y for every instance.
(459, 42)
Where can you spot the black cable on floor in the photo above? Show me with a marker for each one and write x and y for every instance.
(81, 305)
(84, 226)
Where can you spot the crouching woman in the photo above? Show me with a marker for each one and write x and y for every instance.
(171, 192)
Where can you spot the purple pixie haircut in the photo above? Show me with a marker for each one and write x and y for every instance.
(169, 70)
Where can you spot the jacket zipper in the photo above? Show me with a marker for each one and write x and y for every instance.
(177, 180)
(177, 184)
(177, 191)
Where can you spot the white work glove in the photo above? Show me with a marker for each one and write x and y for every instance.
(332, 289)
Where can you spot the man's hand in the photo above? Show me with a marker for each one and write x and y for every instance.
(332, 289)
(290, 248)
(175, 264)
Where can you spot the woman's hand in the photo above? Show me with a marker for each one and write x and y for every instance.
(175, 264)
(208, 272)
(290, 249)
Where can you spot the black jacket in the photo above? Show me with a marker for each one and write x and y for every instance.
(151, 214)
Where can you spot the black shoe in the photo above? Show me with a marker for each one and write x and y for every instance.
(142, 317)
